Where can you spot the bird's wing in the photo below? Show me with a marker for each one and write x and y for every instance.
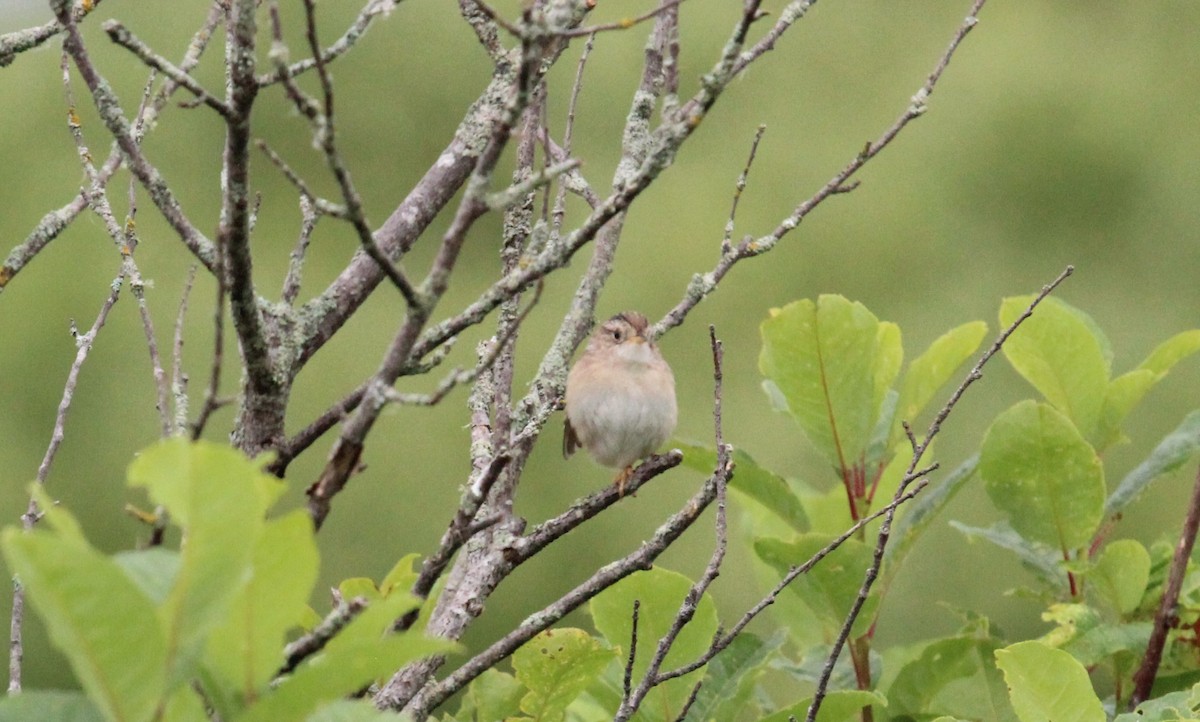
(570, 439)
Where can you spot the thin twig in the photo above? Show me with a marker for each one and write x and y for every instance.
(702, 285)
(691, 602)
(124, 238)
(1166, 616)
(627, 679)
(11, 44)
(179, 379)
(83, 346)
(114, 119)
(315, 641)
(126, 39)
(739, 188)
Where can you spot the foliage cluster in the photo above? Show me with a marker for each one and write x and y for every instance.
(182, 635)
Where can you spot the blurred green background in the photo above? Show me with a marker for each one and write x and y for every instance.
(1063, 132)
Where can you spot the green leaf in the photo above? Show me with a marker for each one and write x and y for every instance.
(1084, 633)
(359, 587)
(1127, 390)
(732, 675)
(184, 705)
(401, 576)
(810, 667)
(1124, 393)
(953, 676)
(660, 593)
(843, 705)
(1170, 352)
(767, 490)
(831, 586)
(1063, 354)
(1171, 453)
(832, 362)
(556, 666)
(351, 660)
(931, 370)
(1121, 574)
(97, 617)
(1041, 473)
(219, 498)
(1038, 558)
(153, 570)
(32, 705)
(1179, 706)
(246, 648)
(1048, 684)
(916, 515)
(493, 695)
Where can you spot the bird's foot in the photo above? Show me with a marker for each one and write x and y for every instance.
(622, 479)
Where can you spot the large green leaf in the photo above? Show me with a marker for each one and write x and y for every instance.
(1175, 449)
(556, 666)
(1062, 352)
(953, 676)
(1043, 475)
(660, 593)
(732, 675)
(98, 618)
(31, 705)
(353, 659)
(219, 498)
(831, 363)
(830, 587)
(932, 369)
(245, 649)
(1048, 684)
(768, 491)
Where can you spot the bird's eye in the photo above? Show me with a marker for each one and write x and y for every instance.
(618, 335)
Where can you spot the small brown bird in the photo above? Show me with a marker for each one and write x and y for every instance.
(620, 397)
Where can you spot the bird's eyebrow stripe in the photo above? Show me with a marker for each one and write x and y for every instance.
(634, 319)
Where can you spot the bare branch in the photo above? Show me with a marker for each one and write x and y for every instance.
(114, 119)
(308, 223)
(21, 40)
(703, 284)
(370, 11)
(83, 346)
(178, 378)
(126, 39)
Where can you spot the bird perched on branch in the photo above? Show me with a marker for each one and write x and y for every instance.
(620, 397)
